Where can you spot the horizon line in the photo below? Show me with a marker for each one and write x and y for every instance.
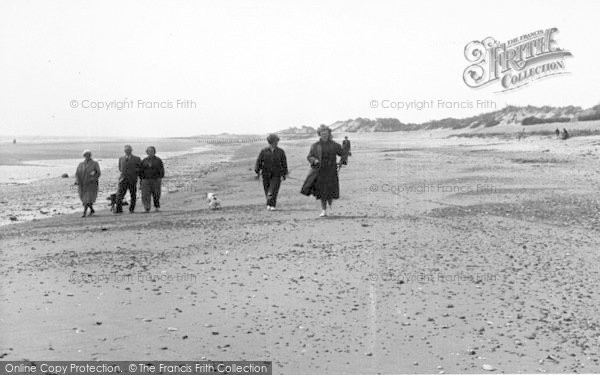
(291, 126)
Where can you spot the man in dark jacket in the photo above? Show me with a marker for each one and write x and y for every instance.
(151, 173)
(129, 166)
(273, 164)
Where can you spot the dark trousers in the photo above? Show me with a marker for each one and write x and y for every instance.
(151, 189)
(125, 185)
(271, 185)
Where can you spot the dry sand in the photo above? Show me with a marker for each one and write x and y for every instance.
(487, 254)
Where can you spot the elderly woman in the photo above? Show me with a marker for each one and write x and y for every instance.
(86, 177)
(322, 181)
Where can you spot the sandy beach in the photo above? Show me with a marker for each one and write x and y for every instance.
(455, 255)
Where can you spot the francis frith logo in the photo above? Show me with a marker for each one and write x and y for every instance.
(514, 63)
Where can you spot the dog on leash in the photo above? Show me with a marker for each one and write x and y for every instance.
(113, 202)
(213, 202)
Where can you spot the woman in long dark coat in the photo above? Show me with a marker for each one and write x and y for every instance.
(87, 176)
(322, 181)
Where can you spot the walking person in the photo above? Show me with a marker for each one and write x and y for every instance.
(322, 181)
(129, 166)
(151, 175)
(273, 164)
(346, 146)
(86, 179)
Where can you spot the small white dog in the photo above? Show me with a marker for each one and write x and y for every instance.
(213, 202)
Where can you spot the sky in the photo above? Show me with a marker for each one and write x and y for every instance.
(261, 66)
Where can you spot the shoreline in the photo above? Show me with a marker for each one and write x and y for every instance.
(67, 164)
(58, 196)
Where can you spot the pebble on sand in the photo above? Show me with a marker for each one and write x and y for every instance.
(487, 367)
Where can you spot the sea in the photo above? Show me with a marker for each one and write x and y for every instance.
(27, 159)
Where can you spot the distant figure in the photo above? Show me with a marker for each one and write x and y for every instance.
(14, 141)
(346, 148)
(273, 164)
(557, 132)
(86, 179)
(151, 175)
(322, 181)
(129, 166)
(565, 134)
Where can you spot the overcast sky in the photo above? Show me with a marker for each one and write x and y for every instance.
(260, 66)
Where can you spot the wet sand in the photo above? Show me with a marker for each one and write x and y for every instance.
(441, 255)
